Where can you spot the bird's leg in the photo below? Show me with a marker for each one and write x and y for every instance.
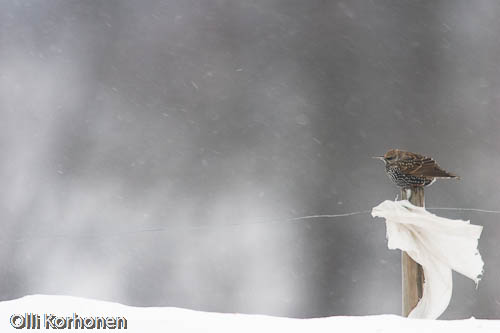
(408, 193)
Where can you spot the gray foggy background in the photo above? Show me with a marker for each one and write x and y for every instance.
(210, 120)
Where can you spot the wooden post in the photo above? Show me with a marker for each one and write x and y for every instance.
(413, 274)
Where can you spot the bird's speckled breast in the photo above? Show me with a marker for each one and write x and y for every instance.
(405, 180)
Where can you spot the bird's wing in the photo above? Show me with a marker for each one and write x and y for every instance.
(423, 166)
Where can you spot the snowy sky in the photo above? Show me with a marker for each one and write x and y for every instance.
(192, 116)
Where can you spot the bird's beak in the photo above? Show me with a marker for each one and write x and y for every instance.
(379, 158)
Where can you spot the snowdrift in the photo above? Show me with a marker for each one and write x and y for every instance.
(168, 319)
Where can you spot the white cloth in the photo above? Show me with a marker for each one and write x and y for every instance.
(438, 244)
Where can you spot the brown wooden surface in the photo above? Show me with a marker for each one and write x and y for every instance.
(412, 273)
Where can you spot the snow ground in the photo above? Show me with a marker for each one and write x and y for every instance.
(169, 319)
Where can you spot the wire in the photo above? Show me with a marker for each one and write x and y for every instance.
(184, 228)
(467, 209)
(179, 228)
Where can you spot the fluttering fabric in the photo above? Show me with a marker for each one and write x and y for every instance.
(438, 244)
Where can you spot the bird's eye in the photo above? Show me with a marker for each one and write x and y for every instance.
(390, 158)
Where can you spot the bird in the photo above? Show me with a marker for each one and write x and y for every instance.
(407, 169)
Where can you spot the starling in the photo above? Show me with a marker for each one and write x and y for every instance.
(408, 169)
